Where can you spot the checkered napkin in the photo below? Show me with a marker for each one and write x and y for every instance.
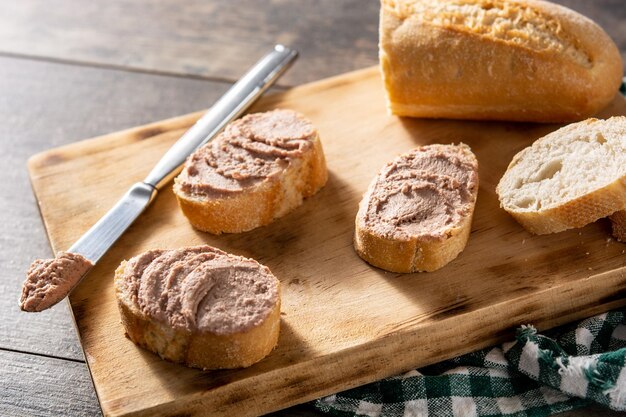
(534, 376)
(537, 375)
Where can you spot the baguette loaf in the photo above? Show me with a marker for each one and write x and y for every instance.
(520, 60)
(417, 213)
(199, 306)
(569, 178)
(260, 168)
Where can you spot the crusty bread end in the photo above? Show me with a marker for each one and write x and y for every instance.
(522, 60)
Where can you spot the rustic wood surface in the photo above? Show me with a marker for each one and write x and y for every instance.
(217, 39)
(379, 324)
(44, 105)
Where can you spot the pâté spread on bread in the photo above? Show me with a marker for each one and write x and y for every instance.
(261, 167)
(50, 280)
(199, 306)
(416, 214)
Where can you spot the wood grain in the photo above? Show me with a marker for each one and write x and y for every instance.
(378, 324)
(218, 38)
(210, 39)
(35, 386)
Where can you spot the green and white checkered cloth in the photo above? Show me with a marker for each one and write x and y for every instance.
(535, 376)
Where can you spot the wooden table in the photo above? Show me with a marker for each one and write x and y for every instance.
(72, 69)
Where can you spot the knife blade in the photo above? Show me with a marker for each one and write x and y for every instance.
(102, 235)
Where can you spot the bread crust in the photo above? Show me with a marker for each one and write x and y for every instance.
(197, 349)
(260, 205)
(414, 255)
(576, 213)
(618, 223)
(435, 71)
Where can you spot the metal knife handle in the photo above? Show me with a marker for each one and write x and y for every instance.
(102, 235)
(226, 109)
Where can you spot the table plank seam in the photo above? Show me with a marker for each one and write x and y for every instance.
(42, 355)
(122, 68)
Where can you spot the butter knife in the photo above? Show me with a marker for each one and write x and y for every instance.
(97, 240)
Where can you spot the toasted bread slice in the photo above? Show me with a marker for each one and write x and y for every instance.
(199, 306)
(260, 168)
(569, 178)
(417, 213)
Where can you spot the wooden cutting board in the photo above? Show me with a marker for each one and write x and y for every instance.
(344, 323)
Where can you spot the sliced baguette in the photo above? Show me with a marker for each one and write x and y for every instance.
(219, 190)
(179, 335)
(417, 213)
(569, 178)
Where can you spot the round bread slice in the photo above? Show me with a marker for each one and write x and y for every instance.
(569, 178)
(417, 213)
(260, 168)
(199, 306)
